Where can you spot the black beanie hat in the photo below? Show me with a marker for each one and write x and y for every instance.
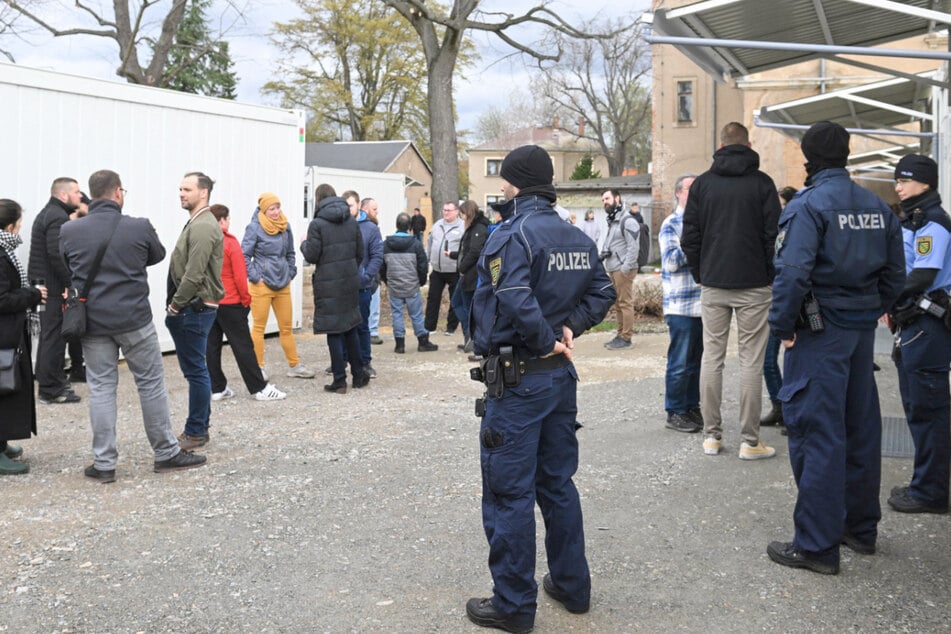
(918, 168)
(528, 166)
(827, 144)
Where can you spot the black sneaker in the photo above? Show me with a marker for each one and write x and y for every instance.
(77, 375)
(563, 597)
(483, 613)
(857, 545)
(66, 396)
(369, 371)
(680, 422)
(105, 477)
(786, 554)
(695, 415)
(182, 460)
(904, 502)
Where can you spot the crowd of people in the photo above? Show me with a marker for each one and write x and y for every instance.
(809, 270)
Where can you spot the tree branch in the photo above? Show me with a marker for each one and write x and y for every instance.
(19, 8)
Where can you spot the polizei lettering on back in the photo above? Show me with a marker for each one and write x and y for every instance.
(569, 261)
(861, 221)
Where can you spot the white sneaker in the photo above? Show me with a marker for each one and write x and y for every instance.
(264, 374)
(711, 446)
(222, 395)
(757, 452)
(300, 371)
(270, 393)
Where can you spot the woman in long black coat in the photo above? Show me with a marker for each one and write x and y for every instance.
(335, 245)
(18, 301)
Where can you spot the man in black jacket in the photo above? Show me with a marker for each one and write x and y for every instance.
(729, 239)
(47, 268)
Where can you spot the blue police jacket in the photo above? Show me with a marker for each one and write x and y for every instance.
(842, 242)
(536, 274)
(927, 235)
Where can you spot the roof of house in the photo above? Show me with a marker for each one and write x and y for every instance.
(620, 183)
(367, 156)
(552, 139)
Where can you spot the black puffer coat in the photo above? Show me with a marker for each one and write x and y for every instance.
(335, 245)
(18, 417)
(469, 249)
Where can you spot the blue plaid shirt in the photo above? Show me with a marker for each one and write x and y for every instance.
(681, 293)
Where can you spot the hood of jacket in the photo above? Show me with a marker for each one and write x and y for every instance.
(734, 160)
(399, 242)
(333, 209)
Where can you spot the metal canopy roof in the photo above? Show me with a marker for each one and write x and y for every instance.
(757, 35)
(882, 106)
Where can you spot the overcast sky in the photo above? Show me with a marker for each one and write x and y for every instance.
(254, 55)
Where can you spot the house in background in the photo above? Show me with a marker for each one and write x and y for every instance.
(566, 150)
(390, 157)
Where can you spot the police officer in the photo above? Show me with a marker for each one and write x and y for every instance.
(541, 284)
(839, 267)
(923, 340)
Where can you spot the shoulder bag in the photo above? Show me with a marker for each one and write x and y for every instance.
(74, 307)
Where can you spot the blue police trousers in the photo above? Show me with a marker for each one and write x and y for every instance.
(923, 380)
(831, 410)
(530, 453)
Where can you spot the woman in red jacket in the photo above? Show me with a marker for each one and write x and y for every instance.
(232, 320)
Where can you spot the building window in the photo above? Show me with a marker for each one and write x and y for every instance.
(492, 167)
(685, 101)
(492, 199)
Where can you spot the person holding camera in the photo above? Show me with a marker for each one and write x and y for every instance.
(839, 266)
(619, 255)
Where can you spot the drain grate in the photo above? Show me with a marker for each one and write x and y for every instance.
(896, 439)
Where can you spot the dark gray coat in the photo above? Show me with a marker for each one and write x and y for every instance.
(119, 299)
(335, 245)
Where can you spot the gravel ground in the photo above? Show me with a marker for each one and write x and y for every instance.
(361, 513)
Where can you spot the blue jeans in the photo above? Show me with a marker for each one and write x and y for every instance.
(189, 331)
(344, 346)
(375, 313)
(414, 307)
(771, 374)
(363, 328)
(682, 381)
(461, 302)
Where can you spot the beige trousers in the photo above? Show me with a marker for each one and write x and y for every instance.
(751, 306)
(624, 306)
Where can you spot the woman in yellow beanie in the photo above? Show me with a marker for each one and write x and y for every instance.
(268, 247)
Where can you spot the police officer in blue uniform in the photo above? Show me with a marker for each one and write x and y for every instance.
(541, 285)
(923, 341)
(839, 267)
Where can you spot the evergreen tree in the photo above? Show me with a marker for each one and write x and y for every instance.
(583, 169)
(197, 63)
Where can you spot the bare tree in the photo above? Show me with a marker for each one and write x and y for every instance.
(441, 31)
(129, 24)
(605, 83)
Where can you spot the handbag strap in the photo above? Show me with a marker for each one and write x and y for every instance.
(94, 271)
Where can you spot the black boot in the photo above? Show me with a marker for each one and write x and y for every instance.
(400, 345)
(774, 417)
(425, 346)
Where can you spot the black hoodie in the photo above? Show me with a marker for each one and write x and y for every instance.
(730, 222)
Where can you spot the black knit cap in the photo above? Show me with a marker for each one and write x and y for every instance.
(528, 166)
(918, 168)
(827, 144)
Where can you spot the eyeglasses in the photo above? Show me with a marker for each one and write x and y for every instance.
(125, 192)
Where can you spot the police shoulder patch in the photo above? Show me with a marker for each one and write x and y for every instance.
(923, 245)
(495, 268)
